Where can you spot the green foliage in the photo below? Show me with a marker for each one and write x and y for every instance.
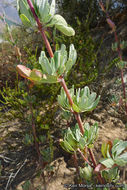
(111, 175)
(28, 139)
(61, 25)
(91, 133)
(86, 68)
(73, 9)
(46, 154)
(113, 155)
(86, 173)
(50, 71)
(29, 98)
(122, 45)
(25, 13)
(73, 139)
(27, 185)
(12, 98)
(121, 64)
(46, 14)
(117, 149)
(66, 114)
(83, 100)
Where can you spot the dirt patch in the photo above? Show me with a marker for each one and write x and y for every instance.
(19, 162)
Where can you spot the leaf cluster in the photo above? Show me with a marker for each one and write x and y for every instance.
(84, 101)
(73, 139)
(46, 14)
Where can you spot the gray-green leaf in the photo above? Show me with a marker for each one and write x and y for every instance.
(61, 24)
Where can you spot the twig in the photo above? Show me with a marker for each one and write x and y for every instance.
(8, 182)
(6, 159)
(19, 170)
(13, 176)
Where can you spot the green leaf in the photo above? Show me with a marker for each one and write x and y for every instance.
(68, 147)
(38, 3)
(24, 9)
(44, 62)
(71, 139)
(121, 64)
(85, 101)
(121, 160)
(104, 149)
(52, 8)
(56, 57)
(45, 11)
(35, 75)
(111, 175)
(75, 108)
(90, 133)
(63, 100)
(72, 58)
(49, 79)
(118, 148)
(86, 172)
(82, 142)
(44, 126)
(62, 145)
(77, 132)
(108, 162)
(25, 20)
(61, 24)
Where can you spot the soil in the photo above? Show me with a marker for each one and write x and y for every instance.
(19, 162)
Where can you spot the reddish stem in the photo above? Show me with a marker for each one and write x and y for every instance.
(34, 133)
(122, 80)
(78, 118)
(120, 56)
(61, 79)
(63, 84)
(84, 158)
(41, 29)
(92, 157)
(76, 163)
